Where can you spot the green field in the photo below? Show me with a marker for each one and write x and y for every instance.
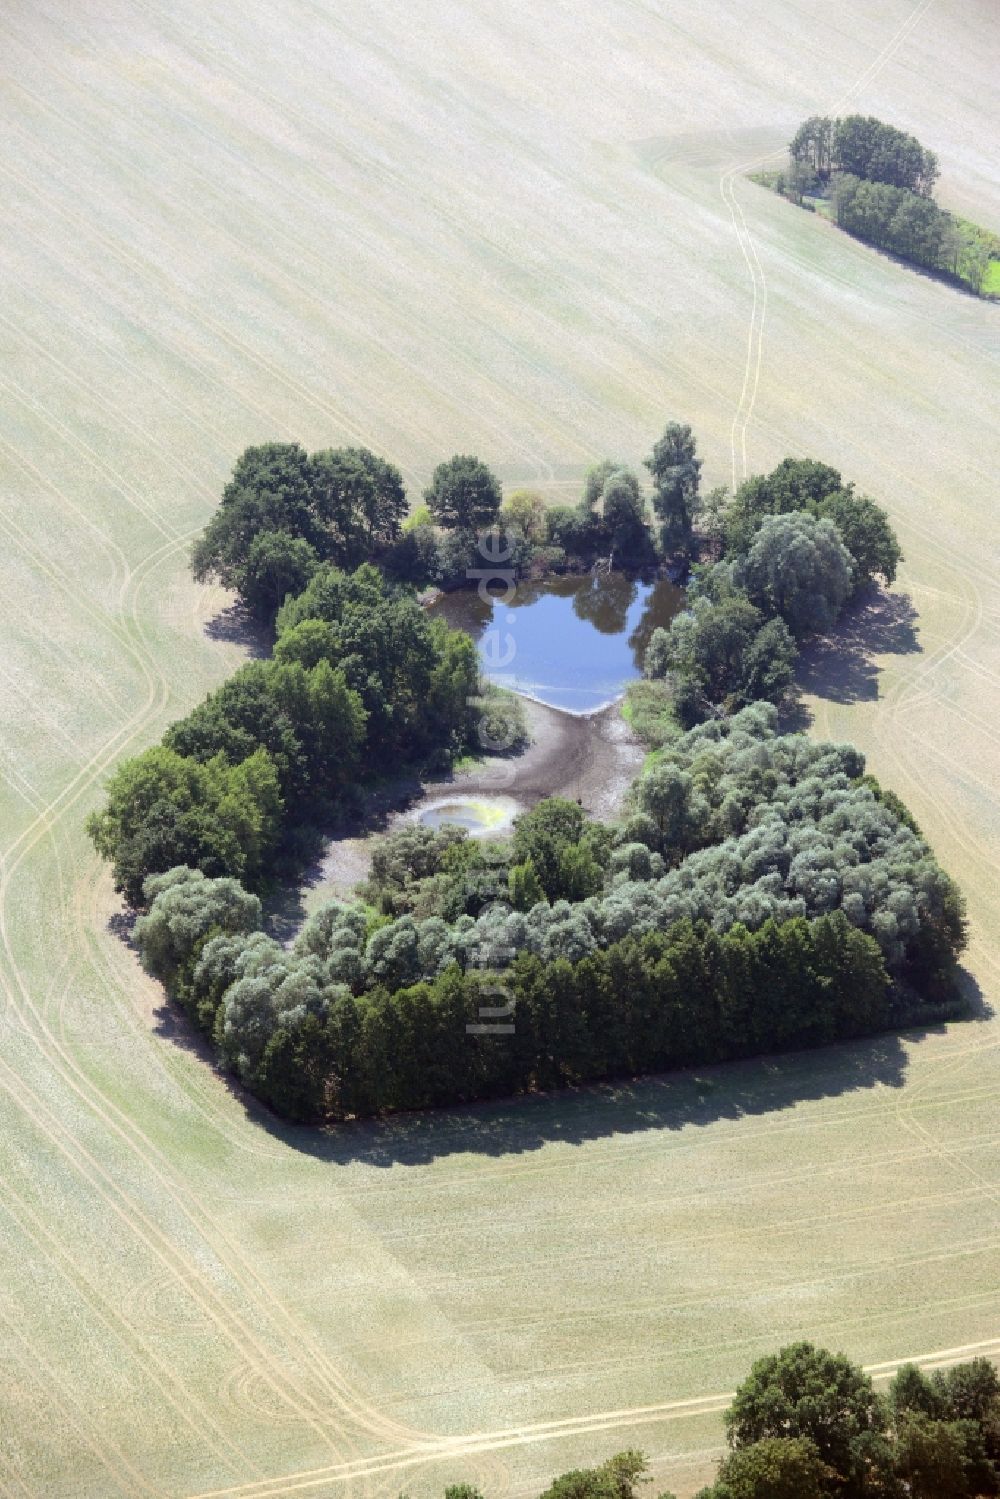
(523, 232)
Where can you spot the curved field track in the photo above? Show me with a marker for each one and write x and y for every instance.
(525, 232)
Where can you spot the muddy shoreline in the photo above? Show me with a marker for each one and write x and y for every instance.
(591, 758)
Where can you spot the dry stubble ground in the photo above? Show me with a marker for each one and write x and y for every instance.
(430, 228)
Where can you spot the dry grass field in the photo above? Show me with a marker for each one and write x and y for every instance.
(522, 231)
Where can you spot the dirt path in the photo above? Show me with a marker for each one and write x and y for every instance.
(592, 758)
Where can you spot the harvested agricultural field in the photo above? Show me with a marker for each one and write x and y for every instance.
(525, 233)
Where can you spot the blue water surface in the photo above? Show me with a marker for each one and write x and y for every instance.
(573, 643)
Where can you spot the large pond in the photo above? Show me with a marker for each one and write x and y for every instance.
(571, 642)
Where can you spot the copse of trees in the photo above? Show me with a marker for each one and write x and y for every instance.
(865, 147)
(722, 656)
(360, 679)
(881, 181)
(803, 484)
(795, 544)
(284, 512)
(757, 895)
(298, 1036)
(896, 220)
(808, 1424)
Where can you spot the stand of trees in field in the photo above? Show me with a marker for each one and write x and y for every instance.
(361, 681)
(761, 893)
(880, 181)
(792, 547)
(809, 1424)
(286, 515)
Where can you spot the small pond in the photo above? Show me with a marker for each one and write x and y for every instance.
(570, 642)
(479, 815)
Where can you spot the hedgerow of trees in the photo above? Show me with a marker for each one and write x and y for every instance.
(881, 181)
(809, 1424)
(286, 515)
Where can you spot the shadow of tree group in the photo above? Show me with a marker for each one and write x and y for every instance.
(843, 666)
(235, 626)
(574, 1116)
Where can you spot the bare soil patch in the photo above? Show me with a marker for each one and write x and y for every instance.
(591, 758)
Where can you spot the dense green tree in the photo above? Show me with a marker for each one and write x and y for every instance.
(615, 1479)
(297, 707)
(624, 517)
(896, 220)
(463, 494)
(343, 489)
(415, 556)
(722, 656)
(525, 886)
(933, 1457)
(864, 529)
(913, 1393)
(799, 569)
(458, 558)
(577, 531)
(381, 504)
(668, 795)
(809, 1393)
(414, 676)
(812, 145)
(276, 565)
(163, 810)
(284, 512)
(594, 481)
(580, 875)
(676, 472)
(868, 148)
(185, 908)
(525, 509)
(542, 835)
(796, 484)
(270, 490)
(774, 1468)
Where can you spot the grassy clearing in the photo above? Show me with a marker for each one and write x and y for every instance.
(430, 231)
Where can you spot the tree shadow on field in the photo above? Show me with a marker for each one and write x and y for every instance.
(843, 666)
(698, 1097)
(234, 626)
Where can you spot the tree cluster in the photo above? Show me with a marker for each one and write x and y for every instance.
(807, 1424)
(865, 147)
(904, 223)
(795, 545)
(759, 894)
(285, 511)
(881, 181)
(360, 679)
(289, 1024)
